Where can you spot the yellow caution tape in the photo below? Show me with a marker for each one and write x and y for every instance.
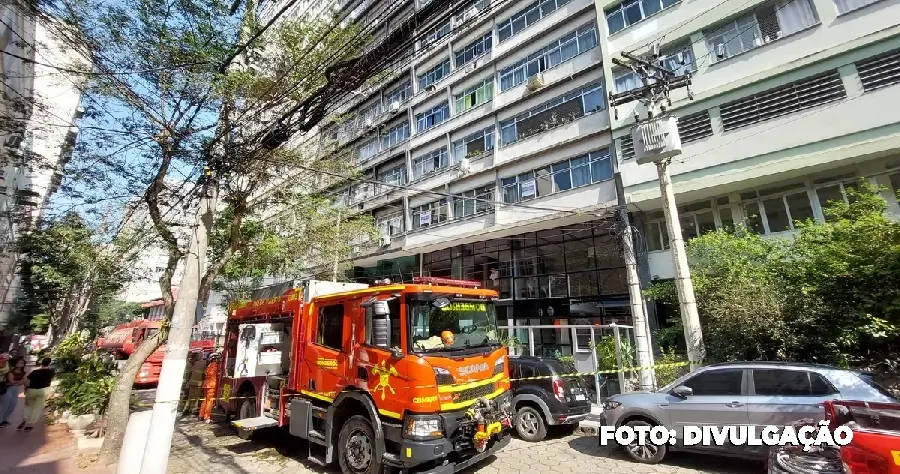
(228, 398)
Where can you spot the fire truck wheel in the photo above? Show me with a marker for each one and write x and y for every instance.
(356, 447)
(247, 409)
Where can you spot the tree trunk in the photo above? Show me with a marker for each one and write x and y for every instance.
(120, 401)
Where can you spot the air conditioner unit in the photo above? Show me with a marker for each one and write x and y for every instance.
(656, 140)
(369, 122)
(395, 107)
(465, 166)
(535, 82)
(430, 88)
(472, 67)
(472, 12)
(385, 240)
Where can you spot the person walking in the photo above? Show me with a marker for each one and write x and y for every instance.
(37, 387)
(15, 380)
(195, 383)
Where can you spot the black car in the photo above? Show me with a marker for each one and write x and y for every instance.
(549, 401)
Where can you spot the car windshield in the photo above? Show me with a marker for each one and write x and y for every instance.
(443, 324)
(869, 379)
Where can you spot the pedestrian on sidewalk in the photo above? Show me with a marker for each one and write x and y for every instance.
(195, 383)
(37, 387)
(15, 380)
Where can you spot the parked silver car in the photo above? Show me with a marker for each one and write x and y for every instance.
(738, 393)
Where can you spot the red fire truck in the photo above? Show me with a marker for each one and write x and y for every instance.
(392, 376)
(125, 339)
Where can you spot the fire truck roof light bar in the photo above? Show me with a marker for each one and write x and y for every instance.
(446, 282)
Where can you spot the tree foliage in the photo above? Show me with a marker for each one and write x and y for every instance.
(830, 294)
(67, 266)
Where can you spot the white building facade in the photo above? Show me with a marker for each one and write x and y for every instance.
(38, 109)
(491, 153)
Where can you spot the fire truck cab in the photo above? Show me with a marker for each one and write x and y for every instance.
(392, 376)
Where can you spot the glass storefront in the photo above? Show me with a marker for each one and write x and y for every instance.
(563, 276)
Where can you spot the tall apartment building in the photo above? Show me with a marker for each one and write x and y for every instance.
(38, 109)
(793, 103)
(492, 152)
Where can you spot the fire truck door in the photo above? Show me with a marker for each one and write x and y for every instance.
(326, 357)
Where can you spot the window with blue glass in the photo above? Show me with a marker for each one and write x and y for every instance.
(434, 75)
(474, 144)
(553, 113)
(367, 151)
(437, 34)
(395, 135)
(474, 96)
(557, 52)
(526, 17)
(430, 162)
(430, 118)
(479, 47)
(630, 12)
(576, 172)
(399, 94)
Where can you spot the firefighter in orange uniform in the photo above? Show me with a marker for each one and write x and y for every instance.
(210, 385)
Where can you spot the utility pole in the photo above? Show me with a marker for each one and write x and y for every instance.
(168, 391)
(656, 141)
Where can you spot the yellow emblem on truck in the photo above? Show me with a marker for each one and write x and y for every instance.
(383, 372)
(226, 392)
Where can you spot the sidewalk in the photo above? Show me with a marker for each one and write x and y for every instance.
(47, 449)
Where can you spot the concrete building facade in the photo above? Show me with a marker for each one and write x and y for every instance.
(39, 106)
(490, 153)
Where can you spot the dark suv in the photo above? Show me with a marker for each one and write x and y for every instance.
(547, 401)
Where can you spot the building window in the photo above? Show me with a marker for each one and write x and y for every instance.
(430, 163)
(395, 135)
(367, 115)
(473, 202)
(330, 330)
(681, 61)
(395, 176)
(437, 34)
(557, 52)
(836, 192)
(847, 6)
(632, 11)
(526, 17)
(774, 210)
(474, 144)
(880, 71)
(554, 113)
(783, 100)
(768, 23)
(474, 96)
(367, 151)
(399, 94)
(696, 219)
(470, 52)
(434, 75)
(430, 118)
(391, 224)
(433, 213)
(569, 174)
(471, 10)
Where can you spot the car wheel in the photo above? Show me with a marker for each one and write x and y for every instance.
(356, 447)
(530, 424)
(645, 454)
(247, 409)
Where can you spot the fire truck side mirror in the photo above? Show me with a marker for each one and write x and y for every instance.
(381, 309)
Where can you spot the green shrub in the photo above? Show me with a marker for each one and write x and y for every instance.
(667, 375)
(86, 379)
(605, 349)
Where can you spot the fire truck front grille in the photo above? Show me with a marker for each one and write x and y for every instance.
(473, 393)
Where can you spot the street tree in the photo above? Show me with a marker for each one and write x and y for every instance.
(176, 111)
(67, 266)
(829, 294)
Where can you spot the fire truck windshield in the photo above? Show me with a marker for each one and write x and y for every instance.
(444, 324)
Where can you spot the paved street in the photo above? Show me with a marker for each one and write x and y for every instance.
(199, 447)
